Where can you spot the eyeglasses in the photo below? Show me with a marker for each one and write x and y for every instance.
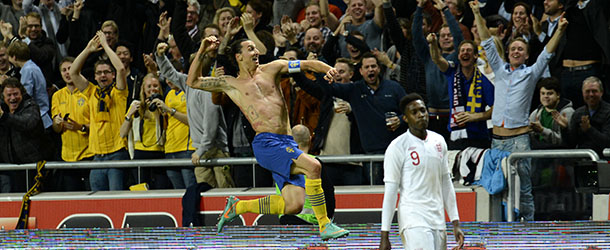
(105, 72)
(34, 25)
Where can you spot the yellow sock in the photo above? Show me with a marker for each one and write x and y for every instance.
(272, 204)
(313, 188)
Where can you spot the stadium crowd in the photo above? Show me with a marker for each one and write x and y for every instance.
(102, 80)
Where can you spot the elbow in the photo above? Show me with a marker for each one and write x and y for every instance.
(120, 70)
(74, 72)
(190, 82)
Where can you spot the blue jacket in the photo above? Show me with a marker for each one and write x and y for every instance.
(369, 108)
(436, 84)
(492, 178)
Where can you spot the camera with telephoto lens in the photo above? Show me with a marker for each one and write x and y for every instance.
(152, 107)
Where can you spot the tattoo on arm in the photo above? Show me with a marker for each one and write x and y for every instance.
(212, 83)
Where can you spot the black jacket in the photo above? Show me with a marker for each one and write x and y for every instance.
(42, 52)
(321, 91)
(22, 138)
(598, 136)
(597, 15)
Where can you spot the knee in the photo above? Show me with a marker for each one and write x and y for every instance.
(293, 207)
(315, 169)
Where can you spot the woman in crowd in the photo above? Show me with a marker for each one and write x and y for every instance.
(145, 125)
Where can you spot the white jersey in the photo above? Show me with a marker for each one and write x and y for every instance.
(420, 168)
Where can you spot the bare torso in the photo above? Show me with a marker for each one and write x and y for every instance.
(260, 99)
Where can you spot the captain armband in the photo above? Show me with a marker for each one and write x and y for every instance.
(294, 66)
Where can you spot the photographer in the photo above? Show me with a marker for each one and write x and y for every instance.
(145, 124)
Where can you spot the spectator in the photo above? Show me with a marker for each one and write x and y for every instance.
(257, 20)
(191, 22)
(185, 27)
(11, 14)
(314, 18)
(302, 107)
(164, 36)
(106, 111)
(356, 47)
(260, 13)
(356, 20)
(437, 93)
(70, 111)
(50, 14)
(553, 10)
(134, 76)
(472, 96)
(209, 135)
(521, 25)
(482, 62)
(330, 12)
(370, 98)
(22, 137)
(313, 41)
(207, 10)
(512, 105)
(335, 133)
(549, 122)
(111, 31)
(457, 9)
(590, 124)
(32, 78)
(288, 8)
(178, 144)
(76, 26)
(408, 70)
(586, 51)
(7, 69)
(146, 132)
(222, 18)
(547, 27)
(42, 49)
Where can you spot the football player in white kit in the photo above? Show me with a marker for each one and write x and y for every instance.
(416, 164)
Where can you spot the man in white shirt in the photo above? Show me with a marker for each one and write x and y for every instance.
(416, 164)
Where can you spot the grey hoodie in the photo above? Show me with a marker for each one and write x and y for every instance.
(207, 125)
(552, 135)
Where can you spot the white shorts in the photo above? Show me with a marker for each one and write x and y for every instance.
(423, 238)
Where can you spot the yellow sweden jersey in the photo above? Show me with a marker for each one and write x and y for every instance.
(177, 134)
(149, 136)
(75, 144)
(104, 126)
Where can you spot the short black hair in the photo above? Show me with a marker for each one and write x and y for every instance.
(475, 47)
(12, 82)
(408, 99)
(494, 21)
(233, 49)
(125, 44)
(102, 62)
(300, 54)
(550, 83)
(369, 54)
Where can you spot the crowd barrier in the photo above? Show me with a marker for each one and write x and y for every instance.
(566, 153)
(549, 153)
(179, 163)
